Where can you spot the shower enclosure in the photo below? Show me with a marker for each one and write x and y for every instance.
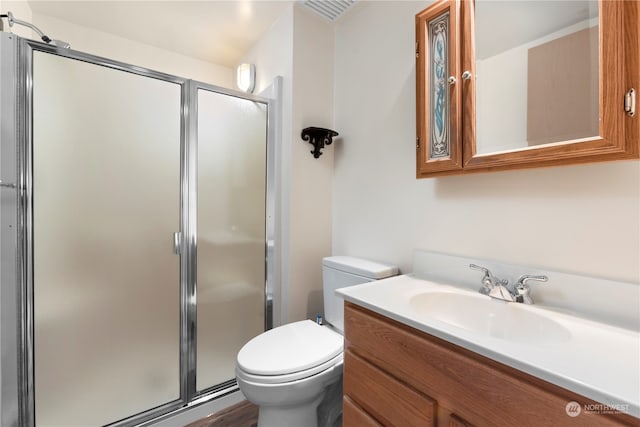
(137, 208)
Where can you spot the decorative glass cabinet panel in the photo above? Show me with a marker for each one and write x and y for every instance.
(518, 91)
(439, 142)
(438, 118)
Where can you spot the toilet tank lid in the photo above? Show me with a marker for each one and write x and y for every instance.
(360, 267)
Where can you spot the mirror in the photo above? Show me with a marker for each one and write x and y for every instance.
(537, 72)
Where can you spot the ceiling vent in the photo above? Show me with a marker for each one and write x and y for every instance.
(329, 9)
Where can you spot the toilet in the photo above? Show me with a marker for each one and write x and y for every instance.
(291, 370)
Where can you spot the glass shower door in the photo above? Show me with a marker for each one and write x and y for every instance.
(231, 266)
(106, 201)
(108, 171)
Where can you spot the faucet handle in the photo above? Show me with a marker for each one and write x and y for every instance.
(480, 268)
(488, 281)
(523, 289)
(522, 281)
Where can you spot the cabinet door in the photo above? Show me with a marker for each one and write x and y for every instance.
(567, 95)
(438, 108)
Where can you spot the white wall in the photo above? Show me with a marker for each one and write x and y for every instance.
(311, 179)
(100, 43)
(582, 218)
(300, 47)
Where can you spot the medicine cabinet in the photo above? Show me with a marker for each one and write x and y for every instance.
(513, 85)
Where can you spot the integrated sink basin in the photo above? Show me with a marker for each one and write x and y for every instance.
(487, 316)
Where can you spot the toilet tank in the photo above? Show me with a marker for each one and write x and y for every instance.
(342, 271)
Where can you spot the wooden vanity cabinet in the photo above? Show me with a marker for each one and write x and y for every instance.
(395, 375)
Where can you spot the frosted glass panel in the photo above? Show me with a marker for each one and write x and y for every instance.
(106, 202)
(231, 231)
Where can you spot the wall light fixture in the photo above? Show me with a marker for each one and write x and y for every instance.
(246, 77)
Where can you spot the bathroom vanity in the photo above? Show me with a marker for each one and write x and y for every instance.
(430, 352)
(395, 375)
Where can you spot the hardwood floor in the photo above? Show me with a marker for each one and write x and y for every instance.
(243, 414)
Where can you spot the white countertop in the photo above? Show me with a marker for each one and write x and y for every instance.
(599, 361)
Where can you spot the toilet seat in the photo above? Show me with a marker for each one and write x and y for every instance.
(286, 378)
(289, 352)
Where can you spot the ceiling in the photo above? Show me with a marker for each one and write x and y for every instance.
(222, 31)
(217, 31)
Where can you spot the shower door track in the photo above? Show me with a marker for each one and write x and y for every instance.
(16, 170)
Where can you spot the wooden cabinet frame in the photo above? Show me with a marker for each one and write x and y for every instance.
(425, 164)
(619, 71)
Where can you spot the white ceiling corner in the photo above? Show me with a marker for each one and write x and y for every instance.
(217, 31)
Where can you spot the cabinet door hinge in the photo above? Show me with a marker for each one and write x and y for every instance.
(417, 49)
(630, 102)
(417, 142)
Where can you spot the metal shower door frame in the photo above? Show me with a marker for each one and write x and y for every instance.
(190, 239)
(16, 229)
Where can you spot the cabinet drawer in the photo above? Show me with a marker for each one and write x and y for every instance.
(354, 416)
(385, 398)
(482, 391)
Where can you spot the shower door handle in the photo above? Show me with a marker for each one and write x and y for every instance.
(177, 243)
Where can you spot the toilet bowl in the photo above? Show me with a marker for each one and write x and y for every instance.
(287, 371)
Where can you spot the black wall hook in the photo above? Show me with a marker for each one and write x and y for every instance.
(318, 137)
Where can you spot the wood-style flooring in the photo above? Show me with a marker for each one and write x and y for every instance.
(243, 414)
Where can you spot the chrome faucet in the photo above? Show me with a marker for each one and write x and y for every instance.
(499, 289)
(493, 286)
